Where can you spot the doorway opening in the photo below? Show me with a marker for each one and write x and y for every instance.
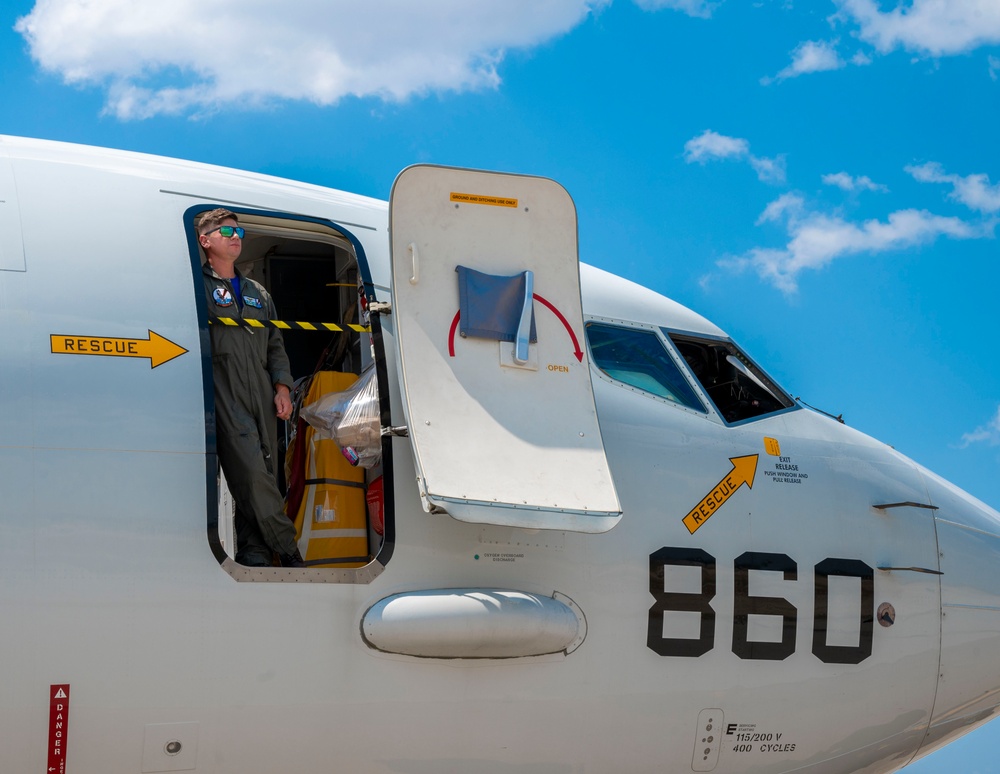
(339, 499)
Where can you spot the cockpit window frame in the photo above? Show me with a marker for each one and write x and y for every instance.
(771, 385)
(669, 350)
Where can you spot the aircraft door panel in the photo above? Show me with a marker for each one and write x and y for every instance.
(501, 419)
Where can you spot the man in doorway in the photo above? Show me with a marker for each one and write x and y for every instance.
(252, 383)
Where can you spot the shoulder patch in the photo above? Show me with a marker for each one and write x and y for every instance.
(222, 297)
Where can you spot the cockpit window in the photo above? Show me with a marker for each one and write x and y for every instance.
(638, 358)
(739, 389)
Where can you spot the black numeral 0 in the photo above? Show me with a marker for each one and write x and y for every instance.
(672, 600)
(744, 606)
(843, 654)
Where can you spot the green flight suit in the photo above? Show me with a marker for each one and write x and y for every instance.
(246, 366)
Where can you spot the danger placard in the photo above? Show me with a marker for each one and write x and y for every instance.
(58, 727)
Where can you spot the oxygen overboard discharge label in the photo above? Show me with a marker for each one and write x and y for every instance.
(495, 201)
(58, 727)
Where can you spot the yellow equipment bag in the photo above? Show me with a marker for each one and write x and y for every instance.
(331, 523)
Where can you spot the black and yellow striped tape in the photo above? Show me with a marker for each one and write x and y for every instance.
(286, 325)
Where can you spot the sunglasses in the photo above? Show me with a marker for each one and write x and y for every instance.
(228, 231)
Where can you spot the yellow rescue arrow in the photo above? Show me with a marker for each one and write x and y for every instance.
(156, 348)
(743, 472)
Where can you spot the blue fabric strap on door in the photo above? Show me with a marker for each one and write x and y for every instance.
(491, 306)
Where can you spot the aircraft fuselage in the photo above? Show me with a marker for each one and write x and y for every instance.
(777, 592)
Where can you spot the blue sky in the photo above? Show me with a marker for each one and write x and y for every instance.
(815, 177)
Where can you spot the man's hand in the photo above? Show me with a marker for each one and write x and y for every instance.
(282, 401)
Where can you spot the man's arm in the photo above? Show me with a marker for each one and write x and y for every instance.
(277, 365)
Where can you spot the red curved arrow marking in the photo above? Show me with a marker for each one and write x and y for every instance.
(577, 352)
(451, 333)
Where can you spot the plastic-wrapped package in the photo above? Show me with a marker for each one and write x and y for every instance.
(351, 418)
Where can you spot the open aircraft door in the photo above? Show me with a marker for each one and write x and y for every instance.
(492, 359)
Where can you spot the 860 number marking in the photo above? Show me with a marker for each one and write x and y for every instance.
(745, 605)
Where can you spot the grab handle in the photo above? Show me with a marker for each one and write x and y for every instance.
(524, 325)
(415, 259)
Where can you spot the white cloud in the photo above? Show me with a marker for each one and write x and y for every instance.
(974, 191)
(769, 170)
(934, 27)
(815, 239)
(926, 27)
(186, 56)
(711, 146)
(812, 56)
(700, 8)
(988, 433)
(791, 203)
(845, 182)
